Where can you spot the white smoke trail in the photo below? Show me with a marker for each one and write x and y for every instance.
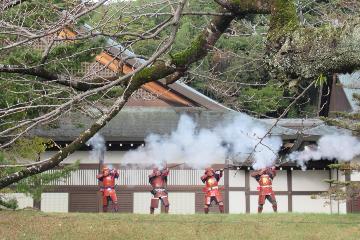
(199, 148)
(339, 147)
(97, 143)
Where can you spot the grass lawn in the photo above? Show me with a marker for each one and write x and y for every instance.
(29, 224)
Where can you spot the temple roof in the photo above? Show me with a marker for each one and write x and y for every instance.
(177, 94)
(135, 123)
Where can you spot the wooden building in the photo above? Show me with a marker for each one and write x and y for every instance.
(156, 108)
(79, 193)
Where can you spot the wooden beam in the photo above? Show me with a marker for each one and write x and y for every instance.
(247, 190)
(108, 61)
(227, 186)
(289, 190)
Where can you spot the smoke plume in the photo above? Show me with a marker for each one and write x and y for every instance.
(97, 143)
(339, 147)
(199, 147)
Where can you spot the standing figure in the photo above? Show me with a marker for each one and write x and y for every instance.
(211, 189)
(158, 180)
(107, 178)
(264, 177)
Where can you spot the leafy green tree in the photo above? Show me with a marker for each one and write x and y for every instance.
(265, 100)
(4, 202)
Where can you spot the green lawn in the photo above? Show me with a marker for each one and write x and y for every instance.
(36, 225)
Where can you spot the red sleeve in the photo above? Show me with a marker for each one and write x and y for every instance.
(273, 173)
(255, 174)
(116, 174)
(100, 177)
(203, 178)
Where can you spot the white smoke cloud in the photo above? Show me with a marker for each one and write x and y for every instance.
(97, 143)
(199, 148)
(244, 134)
(339, 147)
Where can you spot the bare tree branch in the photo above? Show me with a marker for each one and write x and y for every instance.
(7, 4)
(137, 79)
(62, 23)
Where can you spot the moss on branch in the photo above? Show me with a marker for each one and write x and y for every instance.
(241, 7)
(283, 19)
(191, 53)
(202, 43)
(157, 71)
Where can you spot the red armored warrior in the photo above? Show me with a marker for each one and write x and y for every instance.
(158, 180)
(211, 189)
(264, 177)
(108, 184)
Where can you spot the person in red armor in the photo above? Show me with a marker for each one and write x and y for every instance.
(211, 189)
(264, 177)
(158, 181)
(107, 178)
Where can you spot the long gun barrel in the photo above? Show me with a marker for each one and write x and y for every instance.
(228, 167)
(176, 165)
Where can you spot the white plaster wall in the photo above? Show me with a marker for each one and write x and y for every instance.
(338, 207)
(282, 202)
(355, 176)
(237, 178)
(279, 182)
(310, 180)
(342, 208)
(182, 202)
(55, 202)
(305, 204)
(333, 174)
(23, 200)
(237, 202)
(142, 203)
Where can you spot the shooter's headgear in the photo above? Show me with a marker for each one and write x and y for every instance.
(106, 170)
(156, 171)
(209, 170)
